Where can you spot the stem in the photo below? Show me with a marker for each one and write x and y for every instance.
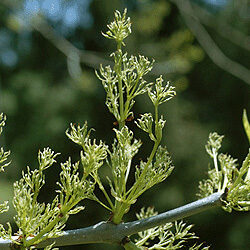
(133, 192)
(127, 105)
(120, 211)
(225, 182)
(150, 159)
(50, 226)
(37, 187)
(156, 114)
(105, 193)
(121, 101)
(128, 170)
(215, 160)
(243, 170)
(158, 132)
(43, 232)
(136, 83)
(105, 206)
(130, 246)
(216, 167)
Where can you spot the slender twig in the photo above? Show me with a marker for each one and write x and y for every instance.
(107, 232)
(222, 28)
(38, 23)
(208, 44)
(67, 48)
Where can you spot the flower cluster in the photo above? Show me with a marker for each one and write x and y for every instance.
(172, 235)
(227, 177)
(3, 154)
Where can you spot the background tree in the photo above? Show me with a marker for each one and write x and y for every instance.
(47, 82)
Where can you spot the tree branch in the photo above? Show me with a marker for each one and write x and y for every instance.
(107, 232)
(67, 48)
(39, 24)
(208, 44)
(222, 28)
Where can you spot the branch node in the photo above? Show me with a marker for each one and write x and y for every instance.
(125, 240)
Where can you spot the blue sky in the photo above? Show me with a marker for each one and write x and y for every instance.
(69, 13)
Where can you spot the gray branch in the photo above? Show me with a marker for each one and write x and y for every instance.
(208, 44)
(107, 232)
(222, 28)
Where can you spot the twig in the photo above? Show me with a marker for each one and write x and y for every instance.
(223, 29)
(107, 232)
(208, 44)
(65, 46)
(68, 49)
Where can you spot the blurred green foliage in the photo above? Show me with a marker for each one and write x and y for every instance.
(41, 95)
